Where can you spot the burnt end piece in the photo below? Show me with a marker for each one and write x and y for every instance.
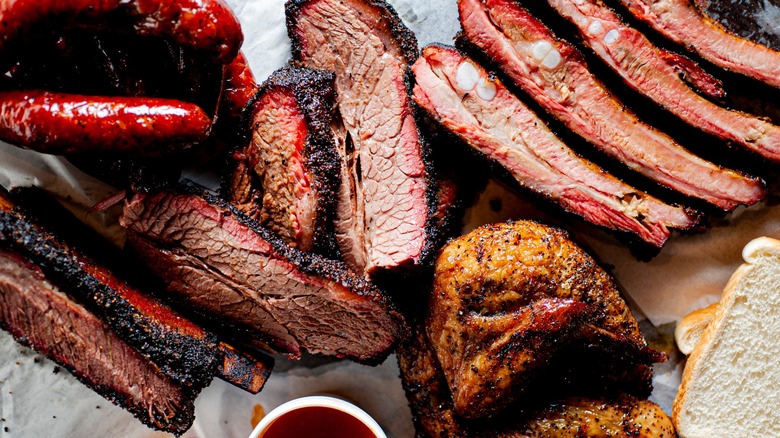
(244, 371)
(385, 219)
(67, 333)
(182, 350)
(287, 175)
(216, 258)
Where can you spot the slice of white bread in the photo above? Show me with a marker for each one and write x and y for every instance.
(731, 383)
(691, 327)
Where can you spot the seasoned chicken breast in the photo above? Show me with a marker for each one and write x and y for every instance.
(574, 417)
(518, 308)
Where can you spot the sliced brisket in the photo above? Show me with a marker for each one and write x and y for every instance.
(287, 177)
(39, 315)
(384, 219)
(683, 23)
(182, 350)
(553, 73)
(219, 260)
(648, 69)
(468, 101)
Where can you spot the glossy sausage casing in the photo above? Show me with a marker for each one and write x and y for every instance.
(207, 25)
(60, 123)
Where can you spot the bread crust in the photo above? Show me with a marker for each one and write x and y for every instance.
(689, 330)
(703, 349)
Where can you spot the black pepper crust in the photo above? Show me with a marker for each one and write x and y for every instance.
(316, 99)
(384, 13)
(310, 263)
(177, 425)
(189, 360)
(407, 43)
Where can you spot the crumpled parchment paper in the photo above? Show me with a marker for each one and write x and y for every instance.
(35, 401)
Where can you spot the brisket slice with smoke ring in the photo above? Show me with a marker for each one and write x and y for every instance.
(483, 112)
(683, 23)
(214, 256)
(554, 74)
(41, 316)
(183, 351)
(287, 176)
(383, 221)
(648, 69)
(181, 348)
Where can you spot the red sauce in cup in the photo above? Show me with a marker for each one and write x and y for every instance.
(317, 422)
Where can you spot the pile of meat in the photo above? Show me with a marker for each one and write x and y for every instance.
(330, 191)
(525, 335)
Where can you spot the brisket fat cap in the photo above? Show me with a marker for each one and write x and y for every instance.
(477, 107)
(66, 332)
(182, 350)
(384, 221)
(287, 176)
(304, 300)
(516, 301)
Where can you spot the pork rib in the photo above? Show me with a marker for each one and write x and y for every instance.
(469, 102)
(683, 23)
(553, 73)
(647, 69)
(384, 219)
(41, 316)
(286, 178)
(216, 258)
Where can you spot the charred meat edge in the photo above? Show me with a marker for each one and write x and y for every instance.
(315, 98)
(185, 352)
(307, 263)
(176, 416)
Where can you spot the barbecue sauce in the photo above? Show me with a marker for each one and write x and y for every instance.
(317, 422)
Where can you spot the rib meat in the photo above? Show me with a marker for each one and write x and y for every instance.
(41, 316)
(286, 178)
(683, 23)
(553, 73)
(384, 219)
(468, 101)
(572, 417)
(512, 302)
(647, 69)
(218, 260)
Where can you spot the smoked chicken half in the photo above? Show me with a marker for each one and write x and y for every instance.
(520, 311)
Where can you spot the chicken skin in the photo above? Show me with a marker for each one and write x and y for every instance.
(429, 397)
(518, 307)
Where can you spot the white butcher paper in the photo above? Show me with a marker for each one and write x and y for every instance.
(690, 272)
